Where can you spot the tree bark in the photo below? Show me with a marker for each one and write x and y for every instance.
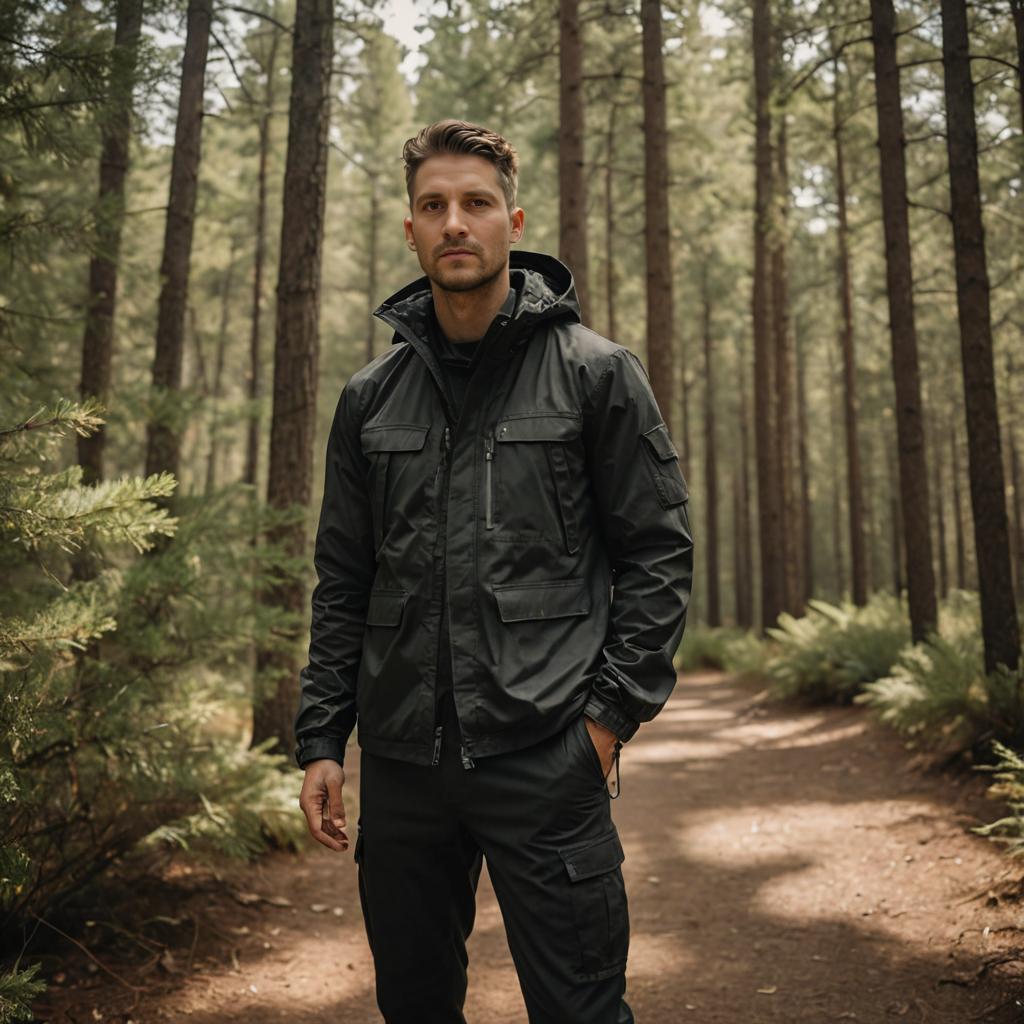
(769, 507)
(786, 479)
(895, 539)
(806, 523)
(855, 484)
(98, 337)
(745, 554)
(1017, 8)
(163, 441)
(255, 384)
(297, 344)
(714, 608)
(217, 389)
(940, 517)
(837, 501)
(572, 181)
(609, 224)
(913, 470)
(372, 260)
(999, 626)
(657, 227)
(958, 512)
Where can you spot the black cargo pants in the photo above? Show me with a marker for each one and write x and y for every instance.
(541, 817)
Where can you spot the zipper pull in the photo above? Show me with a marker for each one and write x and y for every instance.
(437, 745)
(467, 761)
(488, 462)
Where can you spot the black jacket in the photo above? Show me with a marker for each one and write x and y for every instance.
(555, 512)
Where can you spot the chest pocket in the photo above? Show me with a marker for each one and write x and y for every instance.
(389, 448)
(533, 455)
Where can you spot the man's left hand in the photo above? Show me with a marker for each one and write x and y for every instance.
(604, 742)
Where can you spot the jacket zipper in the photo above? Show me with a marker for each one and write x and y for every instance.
(488, 497)
(437, 745)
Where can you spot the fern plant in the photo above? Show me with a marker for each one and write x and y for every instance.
(829, 653)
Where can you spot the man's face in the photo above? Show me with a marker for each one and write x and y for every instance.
(460, 226)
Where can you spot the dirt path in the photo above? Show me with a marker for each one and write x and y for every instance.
(783, 865)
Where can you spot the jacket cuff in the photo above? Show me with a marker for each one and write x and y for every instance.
(316, 748)
(610, 717)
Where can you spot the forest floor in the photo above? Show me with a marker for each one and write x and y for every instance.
(783, 865)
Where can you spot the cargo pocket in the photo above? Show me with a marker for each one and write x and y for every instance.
(379, 444)
(598, 896)
(518, 602)
(550, 433)
(663, 462)
(385, 607)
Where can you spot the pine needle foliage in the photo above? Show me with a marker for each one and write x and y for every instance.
(829, 653)
(127, 691)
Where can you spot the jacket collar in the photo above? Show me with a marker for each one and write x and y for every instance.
(544, 291)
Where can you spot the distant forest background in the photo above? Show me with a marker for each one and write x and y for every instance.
(806, 218)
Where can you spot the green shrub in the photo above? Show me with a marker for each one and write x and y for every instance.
(127, 692)
(707, 647)
(938, 691)
(829, 653)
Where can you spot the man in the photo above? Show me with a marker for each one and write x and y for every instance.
(487, 479)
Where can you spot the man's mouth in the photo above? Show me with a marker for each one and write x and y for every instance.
(456, 252)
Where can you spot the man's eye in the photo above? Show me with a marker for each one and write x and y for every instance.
(433, 204)
(478, 202)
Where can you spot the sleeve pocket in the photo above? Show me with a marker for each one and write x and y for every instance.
(663, 462)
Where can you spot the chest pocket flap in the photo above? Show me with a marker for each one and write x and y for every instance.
(394, 437)
(562, 427)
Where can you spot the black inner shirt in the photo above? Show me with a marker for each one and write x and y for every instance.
(458, 360)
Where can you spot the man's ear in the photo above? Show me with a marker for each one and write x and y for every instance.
(409, 240)
(518, 219)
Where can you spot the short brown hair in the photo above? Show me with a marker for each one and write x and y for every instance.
(451, 136)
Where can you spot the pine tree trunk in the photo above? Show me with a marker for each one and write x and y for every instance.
(163, 441)
(769, 515)
(657, 226)
(745, 580)
(372, 259)
(999, 627)
(217, 390)
(913, 470)
(297, 345)
(786, 479)
(1018, 514)
(958, 513)
(609, 225)
(806, 522)
(98, 338)
(854, 482)
(940, 519)
(572, 181)
(895, 545)
(714, 608)
(1017, 8)
(836, 480)
(252, 440)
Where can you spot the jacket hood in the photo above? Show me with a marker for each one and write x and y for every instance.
(544, 290)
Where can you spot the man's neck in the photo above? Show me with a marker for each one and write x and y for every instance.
(465, 316)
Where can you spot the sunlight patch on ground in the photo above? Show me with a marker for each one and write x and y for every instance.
(670, 751)
(705, 714)
(658, 957)
(759, 731)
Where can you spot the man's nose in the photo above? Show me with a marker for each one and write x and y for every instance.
(454, 224)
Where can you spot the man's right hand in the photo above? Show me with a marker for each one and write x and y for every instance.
(322, 803)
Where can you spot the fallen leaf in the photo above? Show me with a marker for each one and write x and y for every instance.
(768, 990)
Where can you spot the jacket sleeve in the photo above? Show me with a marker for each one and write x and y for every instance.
(641, 498)
(345, 567)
